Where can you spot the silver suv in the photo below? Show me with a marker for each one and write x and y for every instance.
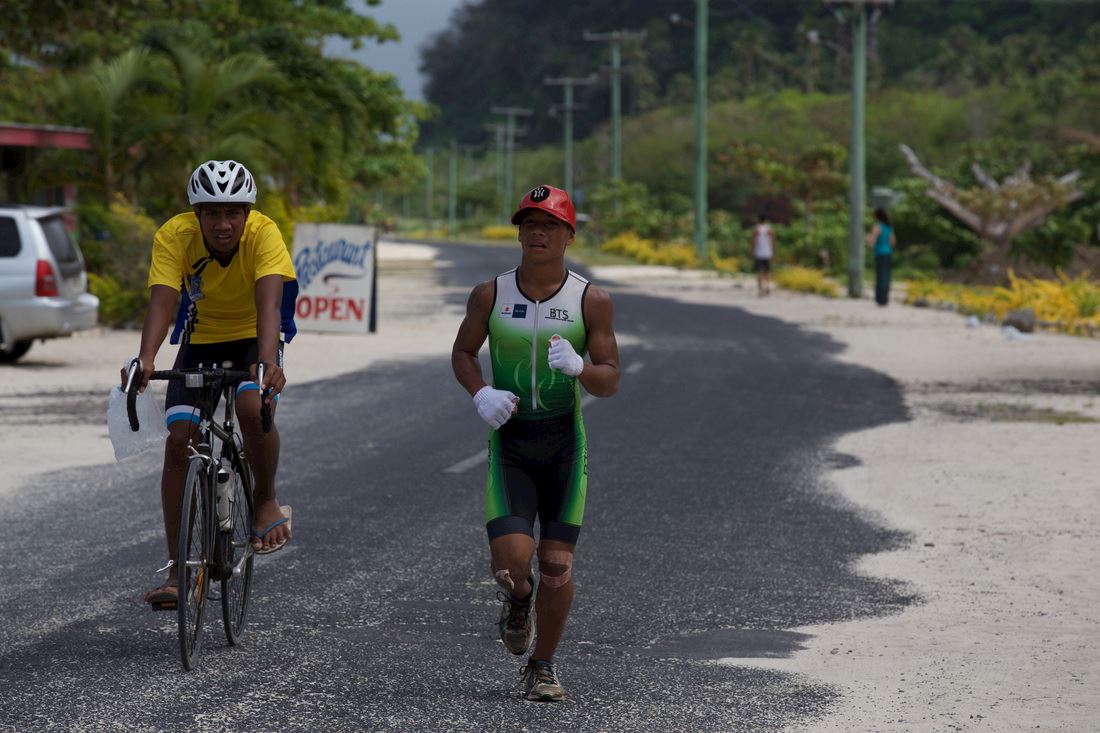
(43, 286)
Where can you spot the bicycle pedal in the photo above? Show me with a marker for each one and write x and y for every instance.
(164, 606)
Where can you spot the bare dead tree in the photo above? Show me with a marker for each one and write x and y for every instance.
(1090, 139)
(999, 211)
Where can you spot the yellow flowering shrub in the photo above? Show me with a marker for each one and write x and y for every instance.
(498, 231)
(728, 265)
(1070, 306)
(806, 280)
(648, 252)
(425, 233)
(675, 255)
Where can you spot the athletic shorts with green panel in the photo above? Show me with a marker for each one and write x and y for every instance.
(538, 460)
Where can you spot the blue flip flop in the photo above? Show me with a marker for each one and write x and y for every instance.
(261, 535)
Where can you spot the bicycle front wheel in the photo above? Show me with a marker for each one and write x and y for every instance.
(237, 549)
(193, 553)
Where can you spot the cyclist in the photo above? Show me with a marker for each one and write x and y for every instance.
(223, 274)
(540, 319)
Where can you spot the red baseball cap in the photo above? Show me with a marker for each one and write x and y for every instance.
(553, 201)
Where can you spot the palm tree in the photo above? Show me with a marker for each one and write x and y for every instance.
(211, 115)
(104, 98)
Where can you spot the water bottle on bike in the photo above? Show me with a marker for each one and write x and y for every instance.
(224, 495)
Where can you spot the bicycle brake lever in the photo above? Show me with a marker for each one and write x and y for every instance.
(132, 370)
(265, 408)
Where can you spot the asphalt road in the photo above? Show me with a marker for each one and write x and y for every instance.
(709, 534)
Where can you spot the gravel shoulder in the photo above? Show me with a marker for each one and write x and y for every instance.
(994, 477)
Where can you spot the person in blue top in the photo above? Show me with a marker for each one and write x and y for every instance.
(882, 239)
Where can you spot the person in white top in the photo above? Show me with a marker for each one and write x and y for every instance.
(763, 249)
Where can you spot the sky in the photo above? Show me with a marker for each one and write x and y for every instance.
(416, 21)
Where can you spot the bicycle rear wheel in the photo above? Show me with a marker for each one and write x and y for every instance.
(238, 550)
(193, 549)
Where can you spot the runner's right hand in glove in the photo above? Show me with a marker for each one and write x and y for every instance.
(495, 405)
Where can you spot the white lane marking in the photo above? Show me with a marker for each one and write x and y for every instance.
(483, 455)
(467, 463)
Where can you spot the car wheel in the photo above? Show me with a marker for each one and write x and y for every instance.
(15, 352)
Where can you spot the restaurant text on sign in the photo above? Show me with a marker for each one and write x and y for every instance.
(336, 269)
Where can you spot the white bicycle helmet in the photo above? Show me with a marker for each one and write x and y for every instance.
(221, 182)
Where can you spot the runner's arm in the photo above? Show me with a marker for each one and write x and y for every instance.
(601, 376)
(269, 296)
(472, 333)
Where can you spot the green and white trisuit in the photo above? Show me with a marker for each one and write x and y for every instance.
(538, 460)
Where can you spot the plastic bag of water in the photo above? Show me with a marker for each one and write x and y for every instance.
(152, 431)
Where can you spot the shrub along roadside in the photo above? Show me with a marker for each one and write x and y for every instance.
(116, 242)
(647, 251)
(1066, 305)
(805, 280)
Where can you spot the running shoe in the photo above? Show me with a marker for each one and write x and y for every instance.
(540, 680)
(517, 621)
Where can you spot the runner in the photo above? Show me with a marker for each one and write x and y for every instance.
(230, 263)
(763, 250)
(540, 319)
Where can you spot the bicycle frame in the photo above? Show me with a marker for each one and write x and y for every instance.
(232, 454)
(213, 544)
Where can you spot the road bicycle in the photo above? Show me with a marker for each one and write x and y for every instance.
(214, 542)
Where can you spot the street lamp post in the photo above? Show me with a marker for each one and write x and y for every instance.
(856, 150)
(428, 189)
(700, 180)
(452, 192)
(567, 83)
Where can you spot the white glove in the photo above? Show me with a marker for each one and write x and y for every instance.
(495, 405)
(563, 357)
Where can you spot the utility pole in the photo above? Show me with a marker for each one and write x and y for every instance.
(498, 129)
(510, 146)
(567, 83)
(452, 192)
(428, 189)
(501, 131)
(616, 38)
(467, 168)
(857, 163)
(700, 187)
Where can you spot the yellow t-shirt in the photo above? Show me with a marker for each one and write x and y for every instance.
(223, 302)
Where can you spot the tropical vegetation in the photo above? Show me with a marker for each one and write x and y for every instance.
(162, 85)
(985, 95)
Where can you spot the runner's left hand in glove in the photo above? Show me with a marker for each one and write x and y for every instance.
(563, 357)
